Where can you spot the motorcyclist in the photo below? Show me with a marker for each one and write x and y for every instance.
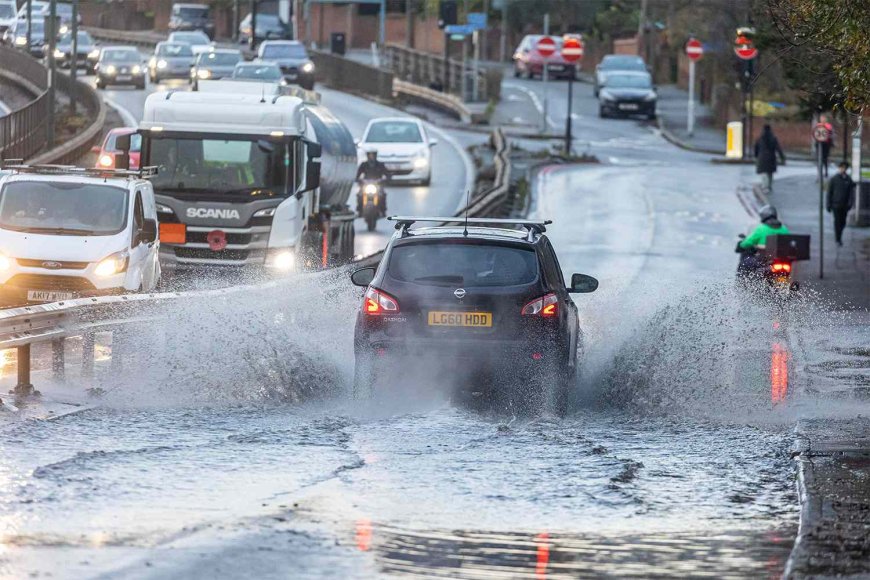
(372, 170)
(748, 247)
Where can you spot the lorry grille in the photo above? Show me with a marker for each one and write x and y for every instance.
(202, 238)
(205, 254)
(48, 282)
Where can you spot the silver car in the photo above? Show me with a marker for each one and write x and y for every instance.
(215, 64)
(171, 60)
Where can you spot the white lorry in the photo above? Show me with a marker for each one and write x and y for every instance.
(249, 179)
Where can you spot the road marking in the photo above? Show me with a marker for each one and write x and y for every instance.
(536, 100)
(126, 116)
(466, 161)
(4, 109)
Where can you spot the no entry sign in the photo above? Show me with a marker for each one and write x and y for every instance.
(546, 46)
(743, 48)
(694, 49)
(572, 49)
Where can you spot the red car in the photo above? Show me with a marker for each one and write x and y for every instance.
(106, 153)
(529, 63)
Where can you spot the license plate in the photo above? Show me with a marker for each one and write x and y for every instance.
(628, 107)
(49, 296)
(125, 78)
(471, 319)
(290, 77)
(394, 166)
(555, 67)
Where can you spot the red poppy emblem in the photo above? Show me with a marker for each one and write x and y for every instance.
(217, 240)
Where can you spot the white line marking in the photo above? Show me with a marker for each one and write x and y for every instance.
(4, 109)
(126, 116)
(536, 100)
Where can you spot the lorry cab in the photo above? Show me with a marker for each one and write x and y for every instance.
(67, 232)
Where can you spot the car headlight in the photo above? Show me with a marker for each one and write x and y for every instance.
(607, 96)
(94, 53)
(114, 264)
(137, 69)
(421, 163)
(650, 97)
(110, 70)
(64, 29)
(5, 263)
(58, 53)
(162, 64)
(370, 189)
(308, 67)
(21, 41)
(203, 74)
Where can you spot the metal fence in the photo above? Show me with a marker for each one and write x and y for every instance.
(25, 131)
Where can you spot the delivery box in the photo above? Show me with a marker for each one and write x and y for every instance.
(788, 247)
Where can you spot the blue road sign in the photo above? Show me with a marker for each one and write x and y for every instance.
(463, 29)
(477, 20)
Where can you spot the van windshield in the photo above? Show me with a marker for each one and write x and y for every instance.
(467, 264)
(63, 208)
(245, 168)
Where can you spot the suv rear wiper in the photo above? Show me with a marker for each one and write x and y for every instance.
(446, 278)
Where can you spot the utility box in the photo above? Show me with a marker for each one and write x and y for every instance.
(337, 43)
(788, 247)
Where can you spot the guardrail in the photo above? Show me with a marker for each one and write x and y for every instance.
(73, 149)
(351, 76)
(443, 101)
(23, 327)
(25, 131)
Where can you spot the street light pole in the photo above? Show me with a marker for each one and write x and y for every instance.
(74, 56)
(29, 20)
(51, 34)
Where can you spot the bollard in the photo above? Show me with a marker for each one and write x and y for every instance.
(24, 388)
(88, 354)
(58, 361)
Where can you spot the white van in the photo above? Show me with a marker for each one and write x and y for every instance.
(69, 232)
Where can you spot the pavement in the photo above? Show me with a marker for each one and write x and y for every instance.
(673, 111)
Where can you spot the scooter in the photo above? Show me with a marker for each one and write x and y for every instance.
(775, 272)
(370, 193)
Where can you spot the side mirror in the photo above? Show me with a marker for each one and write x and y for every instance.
(363, 276)
(149, 231)
(433, 142)
(582, 284)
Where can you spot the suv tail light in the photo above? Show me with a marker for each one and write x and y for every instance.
(379, 302)
(546, 306)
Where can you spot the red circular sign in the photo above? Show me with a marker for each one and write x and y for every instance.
(546, 46)
(217, 240)
(746, 51)
(572, 49)
(694, 49)
(821, 133)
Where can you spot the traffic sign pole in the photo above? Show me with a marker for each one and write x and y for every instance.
(545, 75)
(572, 51)
(694, 50)
(820, 135)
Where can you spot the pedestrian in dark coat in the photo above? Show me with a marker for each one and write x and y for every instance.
(766, 151)
(841, 198)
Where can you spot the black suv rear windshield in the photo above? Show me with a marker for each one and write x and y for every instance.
(471, 264)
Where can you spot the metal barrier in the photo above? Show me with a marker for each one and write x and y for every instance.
(443, 101)
(25, 131)
(348, 75)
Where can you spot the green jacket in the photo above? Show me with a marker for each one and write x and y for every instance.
(759, 235)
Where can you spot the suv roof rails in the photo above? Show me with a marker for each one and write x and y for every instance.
(534, 227)
(19, 166)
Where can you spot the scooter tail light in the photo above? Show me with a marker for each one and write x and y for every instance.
(546, 306)
(377, 302)
(781, 267)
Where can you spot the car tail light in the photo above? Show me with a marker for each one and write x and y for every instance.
(379, 302)
(546, 306)
(781, 267)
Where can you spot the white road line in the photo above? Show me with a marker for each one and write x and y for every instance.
(466, 161)
(129, 118)
(4, 109)
(536, 100)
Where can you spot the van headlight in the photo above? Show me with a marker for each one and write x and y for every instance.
(606, 95)
(5, 263)
(114, 264)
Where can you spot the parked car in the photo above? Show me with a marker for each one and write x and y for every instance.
(213, 65)
(86, 51)
(616, 63)
(529, 63)
(291, 56)
(7, 15)
(626, 94)
(171, 60)
(403, 145)
(65, 236)
(107, 151)
(269, 27)
(197, 40)
(192, 17)
(120, 65)
(266, 72)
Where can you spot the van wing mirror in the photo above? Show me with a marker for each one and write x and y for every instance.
(149, 231)
(363, 276)
(582, 284)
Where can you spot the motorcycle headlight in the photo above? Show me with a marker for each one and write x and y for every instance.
(203, 74)
(137, 69)
(110, 70)
(5, 263)
(370, 189)
(162, 64)
(308, 67)
(114, 264)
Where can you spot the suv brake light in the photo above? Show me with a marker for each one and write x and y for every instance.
(379, 302)
(546, 306)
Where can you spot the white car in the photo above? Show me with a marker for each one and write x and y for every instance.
(403, 145)
(197, 39)
(78, 233)
(7, 15)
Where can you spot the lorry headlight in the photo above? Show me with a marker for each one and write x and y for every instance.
(163, 208)
(308, 67)
(162, 64)
(5, 263)
(107, 160)
(114, 264)
(268, 212)
(203, 73)
(284, 260)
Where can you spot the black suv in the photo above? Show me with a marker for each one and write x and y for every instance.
(477, 299)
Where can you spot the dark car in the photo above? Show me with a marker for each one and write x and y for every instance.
(269, 27)
(120, 65)
(529, 63)
(627, 94)
(17, 36)
(291, 56)
(171, 60)
(87, 52)
(613, 63)
(216, 64)
(191, 17)
(264, 72)
(486, 301)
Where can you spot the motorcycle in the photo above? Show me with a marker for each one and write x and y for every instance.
(774, 271)
(370, 206)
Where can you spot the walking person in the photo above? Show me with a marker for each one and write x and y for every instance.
(826, 144)
(766, 151)
(841, 198)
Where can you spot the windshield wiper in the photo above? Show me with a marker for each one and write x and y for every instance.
(60, 231)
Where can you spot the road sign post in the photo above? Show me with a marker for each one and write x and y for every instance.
(821, 135)
(546, 47)
(694, 50)
(746, 52)
(572, 51)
